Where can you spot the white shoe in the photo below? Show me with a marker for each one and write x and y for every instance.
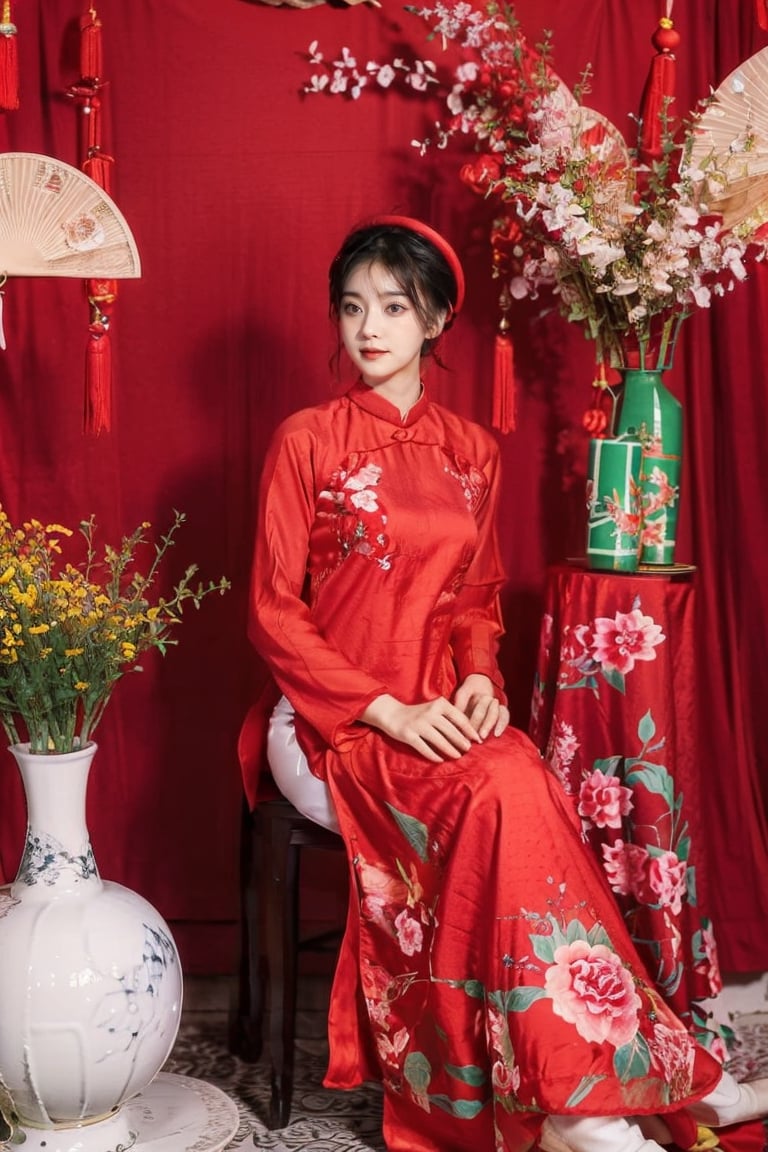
(732, 1103)
(593, 1134)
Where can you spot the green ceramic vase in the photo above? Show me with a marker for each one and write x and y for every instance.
(613, 504)
(650, 411)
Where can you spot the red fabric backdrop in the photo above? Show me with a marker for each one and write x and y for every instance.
(238, 191)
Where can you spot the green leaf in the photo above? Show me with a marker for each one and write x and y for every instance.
(467, 1074)
(632, 1060)
(543, 947)
(654, 778)
(414, 831)
(464, 1109)
(598, 935)
(583, 1089)
(614, 678)
(608, 766)
(520, 999)
(646, 729)
(576, 931)
(418, 1072)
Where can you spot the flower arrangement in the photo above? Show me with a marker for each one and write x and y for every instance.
(70, 631)
(628, 248)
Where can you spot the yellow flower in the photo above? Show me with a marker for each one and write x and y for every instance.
(39, 629)
(128, 650)
(82, 685)
(7, 576)
(73, 651)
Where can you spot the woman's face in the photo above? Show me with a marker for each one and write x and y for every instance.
(381, 330)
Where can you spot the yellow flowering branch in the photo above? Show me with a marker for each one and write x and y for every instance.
(69, 632)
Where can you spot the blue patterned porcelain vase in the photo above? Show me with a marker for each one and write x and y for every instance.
(90, 979)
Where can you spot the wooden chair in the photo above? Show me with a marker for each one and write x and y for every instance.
(273, 838)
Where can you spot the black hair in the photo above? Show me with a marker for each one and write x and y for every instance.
(417, 265)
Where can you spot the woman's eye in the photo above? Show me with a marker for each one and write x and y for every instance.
(350, 309)
(395, 309)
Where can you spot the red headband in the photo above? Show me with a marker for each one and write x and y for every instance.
(442, 245)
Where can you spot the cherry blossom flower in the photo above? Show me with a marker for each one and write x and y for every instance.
(637, 247)
(620, 642)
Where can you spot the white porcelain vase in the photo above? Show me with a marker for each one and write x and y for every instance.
(90, 978)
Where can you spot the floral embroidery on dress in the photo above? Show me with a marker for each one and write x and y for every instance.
(566, 963)
(471, 478)
(349, 517)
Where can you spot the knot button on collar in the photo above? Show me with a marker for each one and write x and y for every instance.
(402, 434)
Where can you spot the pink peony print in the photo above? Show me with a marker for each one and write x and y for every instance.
(620, 642)
(380, 891)
(409, 934)
(505, 1079)
(673, 1050)
(603, 800)
(710, 966)
(590, 989)
(667, 881)
(625, 866)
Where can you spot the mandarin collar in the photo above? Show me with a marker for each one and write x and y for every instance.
(370, 401)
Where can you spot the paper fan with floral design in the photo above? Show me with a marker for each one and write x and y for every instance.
(729, 146)
(56, 221)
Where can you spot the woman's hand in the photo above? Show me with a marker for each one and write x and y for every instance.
(436, 729)
(477, 700)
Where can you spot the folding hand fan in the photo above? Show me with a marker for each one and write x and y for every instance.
(56, 221)
(730, 145)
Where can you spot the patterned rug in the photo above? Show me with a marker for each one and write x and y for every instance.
(321, 1120)
(324, 1121)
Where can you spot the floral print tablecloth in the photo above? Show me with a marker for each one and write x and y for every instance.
(613, 710)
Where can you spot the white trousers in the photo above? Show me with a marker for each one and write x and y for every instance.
(291, 773)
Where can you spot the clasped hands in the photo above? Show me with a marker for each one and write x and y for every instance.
(440, 729)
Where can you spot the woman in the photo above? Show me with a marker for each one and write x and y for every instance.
(497, 994)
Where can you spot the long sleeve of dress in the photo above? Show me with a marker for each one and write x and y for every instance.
(324, 688)
(478, 626)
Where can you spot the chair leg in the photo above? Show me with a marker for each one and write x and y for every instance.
(282, 909)
(247, 1018)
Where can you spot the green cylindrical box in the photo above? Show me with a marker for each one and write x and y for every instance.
(613, 504)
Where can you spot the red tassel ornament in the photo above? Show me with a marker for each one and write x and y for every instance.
(98, 358)
(504, 418)
(99, 167)
(9, 61)
(659, 90)
(91, 62)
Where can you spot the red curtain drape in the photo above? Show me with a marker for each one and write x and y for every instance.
(238, 190)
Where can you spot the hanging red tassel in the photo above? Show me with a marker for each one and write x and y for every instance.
(91, 64)
(98, 358)
(99, 167)
(504, 417)
(9, 61)
(102, 294)
(659, 90)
